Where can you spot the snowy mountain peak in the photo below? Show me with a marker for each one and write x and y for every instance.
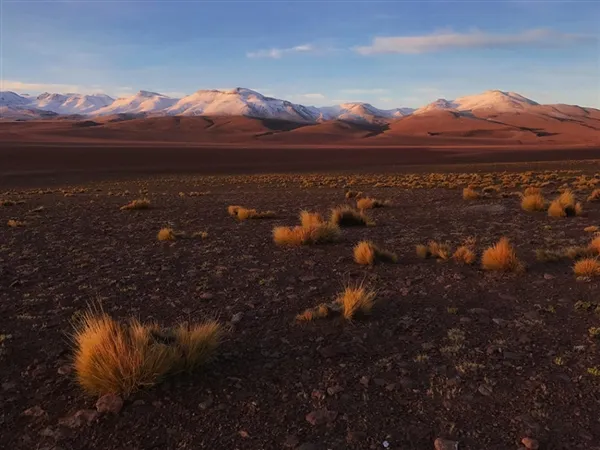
(492, 99)
(9, 98)
(149, 94)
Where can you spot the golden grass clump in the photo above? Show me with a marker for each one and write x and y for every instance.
(15, 223)
(464, 255)
(356, 300)
(565, 205)
(422, 251)
(242, 213)
(591, 229)
(309, 219)
(346, 216)
(353, 194)
(367, 253)
(594, 196)
(299, 235)
(120, 358)
(532, 190)
(143, 203)
(594, 246)
(470, 194)
(533, 202)
(439, 250)
(370, 203)
(501, 257)
(588, 267)
(166, 234)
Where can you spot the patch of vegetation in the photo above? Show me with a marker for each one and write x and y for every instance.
(501, 257)
(470, 194)
(143, 203)
(346, 216)
(367, 253)
(587, 267)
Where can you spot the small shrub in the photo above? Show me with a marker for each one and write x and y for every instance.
(533, 202)
(319, 312)
(594, 246)
(200, 234)
(587, 267)
(470, 194)
(594, 196)
(308, 219)
(356, 300)
(565, 205)
(578, 252)
(369, 203)
(166, 234)
(367, 253)
(233, 210)
(422, 251)
(501, 257)
(464, 255)
(196, 344)
(532, 190)
(345, 216)
(143, 203)
(242, 214)
(439, 250)
(295, 236)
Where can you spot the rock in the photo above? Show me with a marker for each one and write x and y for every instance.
(308, 279)
(364, 381)
(244, 434)
(80, 418)
(237, 318)
(206, 296)
(109, 403)
(333, 390)
(530, 444)
(547, 276)
(34, 411)
(321, 416)
(406, 383)
(354, 437)
(139, 403)
(318, 394)
(65, 369)
(485, 390)
(52, 433)
(291, 441)
(206, 403)
(445, 444)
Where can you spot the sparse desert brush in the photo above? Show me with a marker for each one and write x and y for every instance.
(369, 203)
(242, 214)
(532, 190)
(15, 223)
(470, 194)
(120, 358)
(545, 256)
(346, 216)
(565, 205)
(367, 253)
(422, 251)
(533, 202)
(588, 267)
(233, 209)
(166, 234)
(594, 246)
(594, 196)
(319, 312)
(143, 203)
(299, 235)
(575, 252)
(464, 255)
(439, 250)
(309, 219)
(356, 300)
(353, 194)
(501, 257)
(490, 189)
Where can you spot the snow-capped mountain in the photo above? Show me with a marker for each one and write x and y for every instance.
(239, 102)
(497, 100)
(142, 102)
(359, 112)
(8, 98)
(72, 103)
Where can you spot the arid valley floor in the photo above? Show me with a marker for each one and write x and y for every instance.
(449, 351)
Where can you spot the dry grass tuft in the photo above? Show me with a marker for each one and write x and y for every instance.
(120, 358)
(299, 235)
(470, 194)
(594, 246)
(575, 252)
(422, 251)
(591, 229)
(565, 205)
(588, 267)
(166, 234)
(242, 213)
(309, 219)
(501, 257)
(532, 190)
(353, 194)
(356, 300)
(594, 196)
(464, 255)
(439, 250)
(370, 203)
(233, 209)
(533, 202)
(15, 223)
(143, 203)
(367, 253)
(320, 312)
(346, 216)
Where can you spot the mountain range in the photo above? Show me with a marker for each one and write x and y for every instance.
(244, 115)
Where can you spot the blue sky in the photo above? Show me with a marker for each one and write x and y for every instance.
(391, 54)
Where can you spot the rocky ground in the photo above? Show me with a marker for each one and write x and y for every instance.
(450, 352)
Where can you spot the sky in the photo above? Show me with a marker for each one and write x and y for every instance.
(388, 53)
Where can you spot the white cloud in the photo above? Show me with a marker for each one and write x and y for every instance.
(315, 96)
(11, 85)
(277, 53)
(446, 40)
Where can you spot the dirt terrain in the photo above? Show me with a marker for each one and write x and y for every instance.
(397, 379)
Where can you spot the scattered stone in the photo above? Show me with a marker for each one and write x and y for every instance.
(291, 441)
(244, 434)
(444, 444)
(354, 437)
(206, 296)
(547, 276)
(489, 209)
(52, 433)
(139, 403)
(365, 381)
(319, 395)
(80, 418)
(406, 383)
(206, 403)
(333, 390)
(237, 318)
(485, 390)
(321, 416)
(65, 369)
(34, 411)
(109, 403)
(530, 444)
(308, 278)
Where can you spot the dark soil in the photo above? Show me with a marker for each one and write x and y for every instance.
(395, 378)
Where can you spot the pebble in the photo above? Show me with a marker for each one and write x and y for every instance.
(206, 296)
(34, 411)
(80, 418)
(530, 444)
(206, 403)
(365, 381)
(65, 369)
(332, 390)
(237, 318)
(547, 276)
(321, 416)
(109, 403)
(445, 444)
